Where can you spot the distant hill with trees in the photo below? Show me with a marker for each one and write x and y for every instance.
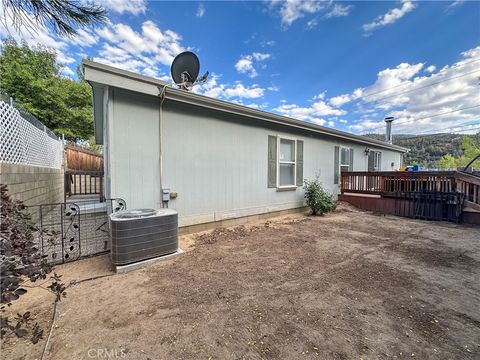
(437, 150)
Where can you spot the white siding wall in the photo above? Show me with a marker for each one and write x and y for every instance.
(133, 151)
(217, 167)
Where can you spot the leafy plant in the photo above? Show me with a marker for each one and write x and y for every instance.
(19, 259)
(35, 80)
(57, 287)
(319, 200)
(19, 256)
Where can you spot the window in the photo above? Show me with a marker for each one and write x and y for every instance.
(342, 161)
(345, 159)
(374, 161)
(286, 162)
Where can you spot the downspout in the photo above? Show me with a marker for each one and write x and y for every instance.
(161, 95)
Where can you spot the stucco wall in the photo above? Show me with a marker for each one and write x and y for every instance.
(33, 185)
(217, 163)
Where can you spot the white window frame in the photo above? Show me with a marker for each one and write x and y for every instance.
(294, 162)
(340, 158)
(377, 161)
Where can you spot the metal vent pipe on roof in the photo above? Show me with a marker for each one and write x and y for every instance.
(388, 133)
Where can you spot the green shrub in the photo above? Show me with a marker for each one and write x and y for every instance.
(317, 198)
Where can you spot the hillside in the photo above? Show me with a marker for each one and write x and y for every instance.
(426, 150)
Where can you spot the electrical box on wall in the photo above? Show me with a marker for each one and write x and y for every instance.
(165, 194)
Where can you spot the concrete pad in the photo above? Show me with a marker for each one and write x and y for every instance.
(141, 264)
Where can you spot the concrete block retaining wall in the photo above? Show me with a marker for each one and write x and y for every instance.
(32, 184)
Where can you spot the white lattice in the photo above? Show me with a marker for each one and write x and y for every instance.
(23, 143)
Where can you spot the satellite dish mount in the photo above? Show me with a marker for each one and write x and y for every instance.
(185, 68)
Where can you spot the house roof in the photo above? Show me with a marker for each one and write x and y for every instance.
(99, 75)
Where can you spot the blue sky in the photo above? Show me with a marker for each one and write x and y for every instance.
(346, 65)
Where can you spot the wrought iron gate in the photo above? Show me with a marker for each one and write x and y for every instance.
(72, 230)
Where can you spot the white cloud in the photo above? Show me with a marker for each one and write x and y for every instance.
(66, 71)
(260, 56)
(338, 10)
(135, 7)
(453, 5)
(200, 10)
(421, 101)
(313, 113)
(236, 91)
(267, 43)
(392, 16)
(240, 91)
(320, 96)
(84, 38)
(431, 69)
(312, 23)
(292, 10)
(320, 122)
(340, 100)
(345, 98)
(142, 52)
(335, 10)
(246, 63)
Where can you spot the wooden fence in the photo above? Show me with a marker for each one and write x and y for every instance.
(84, 173)
(82, 159)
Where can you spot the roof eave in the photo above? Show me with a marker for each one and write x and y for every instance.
(215, 104)
(95, 74)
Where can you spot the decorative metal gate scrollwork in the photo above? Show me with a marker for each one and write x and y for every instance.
(72, 230)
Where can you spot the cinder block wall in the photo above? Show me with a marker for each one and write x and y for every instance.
(33, 185)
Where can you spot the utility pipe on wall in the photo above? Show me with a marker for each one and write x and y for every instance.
(161, 95)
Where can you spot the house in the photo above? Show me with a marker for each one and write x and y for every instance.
(213, 160)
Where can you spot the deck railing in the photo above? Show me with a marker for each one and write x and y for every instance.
(78, 182)
(395, 184)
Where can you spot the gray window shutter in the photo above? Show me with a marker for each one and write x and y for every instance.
(336, 165)
(272, 161)
(350, 166)
(299, 162)
(379, 161)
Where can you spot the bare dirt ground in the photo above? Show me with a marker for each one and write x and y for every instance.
(348, 285)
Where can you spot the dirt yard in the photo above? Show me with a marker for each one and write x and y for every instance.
(350, 285)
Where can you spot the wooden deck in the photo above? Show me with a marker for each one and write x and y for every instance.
(436, 195)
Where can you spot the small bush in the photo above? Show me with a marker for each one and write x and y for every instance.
(20, 259)
(317, 198)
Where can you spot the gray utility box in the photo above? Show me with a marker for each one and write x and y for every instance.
(143, 234)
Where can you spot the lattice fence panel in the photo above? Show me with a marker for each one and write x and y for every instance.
(24, 143)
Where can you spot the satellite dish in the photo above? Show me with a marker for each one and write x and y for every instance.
(185, 68)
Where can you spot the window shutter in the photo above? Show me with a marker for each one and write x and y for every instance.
(379, 161)
(336, 165)
(299, 162)
(350, 166)
(272, 161)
